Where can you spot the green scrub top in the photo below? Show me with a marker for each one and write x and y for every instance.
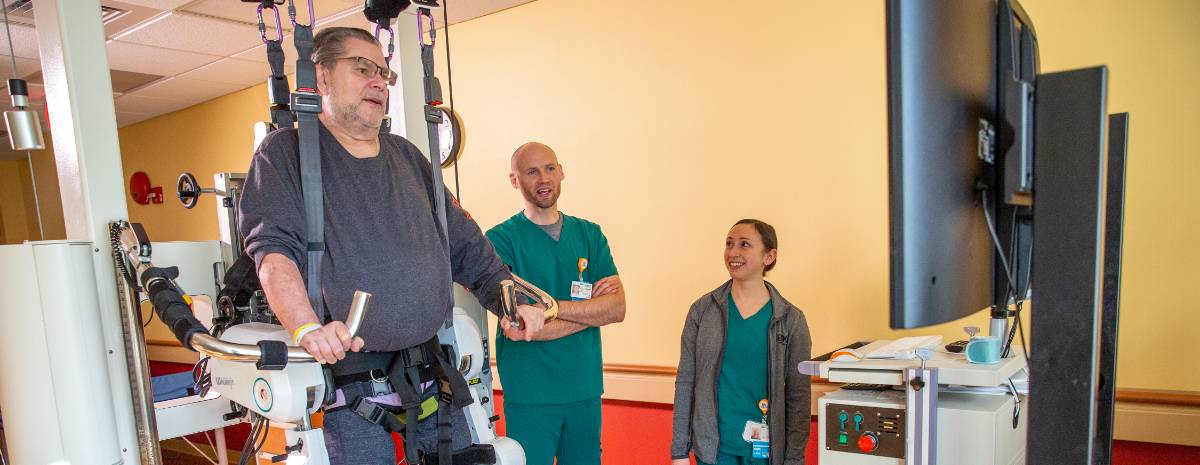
(568, 369)
(743, 379)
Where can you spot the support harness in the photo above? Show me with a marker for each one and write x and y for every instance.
(365, 375)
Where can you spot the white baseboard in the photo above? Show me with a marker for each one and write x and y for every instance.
(1157, 423)
(1165, 424)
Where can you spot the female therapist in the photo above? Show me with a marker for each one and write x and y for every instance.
(739, 399)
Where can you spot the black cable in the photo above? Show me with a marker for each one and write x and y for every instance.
(987, 217)
(264, 430)
(1021, 327)
(255, 430)
(1008, 274)
(450, 86)
(201, 377)
(243, 459)
(148, 320)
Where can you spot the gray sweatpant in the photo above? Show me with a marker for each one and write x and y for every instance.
(352, 440)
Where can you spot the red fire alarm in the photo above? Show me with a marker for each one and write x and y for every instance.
(143, 193)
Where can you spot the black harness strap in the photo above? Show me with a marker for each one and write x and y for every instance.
(406, 379)
(306, 103)
(277, 83)
(278, 88)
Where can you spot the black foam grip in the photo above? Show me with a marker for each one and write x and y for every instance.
(274, 355)
(171, 308)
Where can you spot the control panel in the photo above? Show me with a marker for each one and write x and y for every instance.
(868, 430)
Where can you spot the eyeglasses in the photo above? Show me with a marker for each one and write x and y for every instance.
(369, 69)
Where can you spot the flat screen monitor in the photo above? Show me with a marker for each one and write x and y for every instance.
(941, 61)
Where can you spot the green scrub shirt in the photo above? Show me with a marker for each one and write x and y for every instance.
(567, 369)
(743, 379)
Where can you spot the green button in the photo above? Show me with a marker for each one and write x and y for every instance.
(842, 439)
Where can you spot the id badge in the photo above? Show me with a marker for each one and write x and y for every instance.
(759, 437)
(581, 290)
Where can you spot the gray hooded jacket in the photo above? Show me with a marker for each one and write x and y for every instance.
(788, 391)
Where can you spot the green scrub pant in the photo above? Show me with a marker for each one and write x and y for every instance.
(570, 431)
(726, 459)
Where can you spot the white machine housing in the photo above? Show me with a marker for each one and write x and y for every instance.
(975, 428)
(280, 395)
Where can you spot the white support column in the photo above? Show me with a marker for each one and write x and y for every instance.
(408, 96)
(79, 100)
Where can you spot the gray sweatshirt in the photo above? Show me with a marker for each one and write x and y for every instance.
(380, 235)
(700, 357)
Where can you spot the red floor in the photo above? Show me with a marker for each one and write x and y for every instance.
(638, 433)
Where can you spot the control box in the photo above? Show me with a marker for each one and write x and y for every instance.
(868, 428)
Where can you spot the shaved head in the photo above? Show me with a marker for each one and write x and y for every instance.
(528, 149)
(537, 174)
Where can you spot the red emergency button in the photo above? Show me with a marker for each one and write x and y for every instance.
(868, 442)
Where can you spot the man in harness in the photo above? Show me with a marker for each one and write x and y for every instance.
(380, 236)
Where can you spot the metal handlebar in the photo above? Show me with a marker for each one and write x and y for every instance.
(210, 345)
(509, 289)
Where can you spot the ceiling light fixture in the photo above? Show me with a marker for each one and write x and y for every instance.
(24, 126)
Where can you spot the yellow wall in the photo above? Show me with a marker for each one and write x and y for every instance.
(18, 211)
(205, 139)
(677, 119)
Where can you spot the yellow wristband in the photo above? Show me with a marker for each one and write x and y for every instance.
(303, 330)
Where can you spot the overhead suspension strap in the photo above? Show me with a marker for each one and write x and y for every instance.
(433, 115)
(433, 118)
(306, 104)
(278, 90)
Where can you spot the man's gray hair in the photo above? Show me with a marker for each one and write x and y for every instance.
(330, 43)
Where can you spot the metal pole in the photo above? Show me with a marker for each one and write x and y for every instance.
(139, 372)
(36, 203)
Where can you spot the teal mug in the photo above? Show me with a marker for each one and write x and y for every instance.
(983, 350)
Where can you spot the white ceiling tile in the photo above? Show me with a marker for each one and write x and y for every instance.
(25, 67)
(149, 105)
(246, 12)
(187, 90)
(194, 33)
(139, 58)
(346, 18)
(24, 42)
(156, 4)
(231, 71)
(127, 118)
(259, 55)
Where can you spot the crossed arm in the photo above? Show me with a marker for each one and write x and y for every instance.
(606, 306)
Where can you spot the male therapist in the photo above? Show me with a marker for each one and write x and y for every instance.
(552, 384)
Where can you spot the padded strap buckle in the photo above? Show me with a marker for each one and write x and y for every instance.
(370, 411)
(415, 356)
(306, 100)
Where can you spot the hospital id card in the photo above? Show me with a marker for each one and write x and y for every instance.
(758, 436)
(581, 290)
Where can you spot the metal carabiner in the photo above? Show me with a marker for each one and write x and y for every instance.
(424, 13)
(391, 44)
(292, 13)
(262, 27)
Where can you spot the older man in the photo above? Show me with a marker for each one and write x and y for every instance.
(380, 237)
